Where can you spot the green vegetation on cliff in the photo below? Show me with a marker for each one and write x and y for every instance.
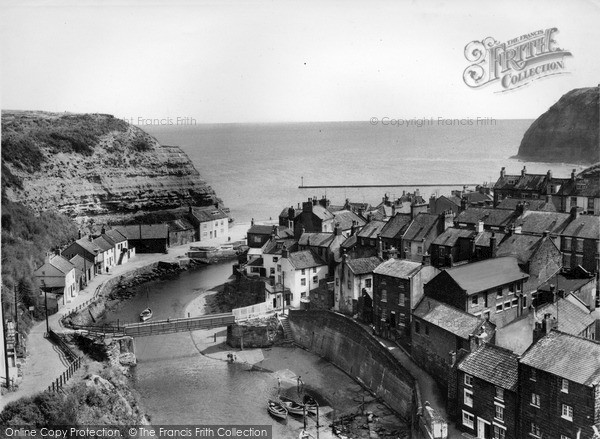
(103, 399)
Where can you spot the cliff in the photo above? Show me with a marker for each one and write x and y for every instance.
(567, 132)
(93, 164)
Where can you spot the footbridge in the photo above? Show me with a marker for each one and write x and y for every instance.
(158, 327)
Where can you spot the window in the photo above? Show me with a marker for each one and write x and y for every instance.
(272, 271)
(401, 299)
(314, 269)
(499, 308)
(303, 281)
(524, 301)
(567, 412)
(579, 245)
(315, 279)
(417, 327)
(573, 201)
(535, 400)
(303, 272)
(368, 283)
(279, 267)
(349, 284)
(564, 387)
(507, 305)
(474, 299)
(499, 293)
(511, 288)
(535, 430)
(384, 295)
(566, 244)
(468, 398)
(419, 250)
(275, 258)
(499, 415)
(468, 380)
(499, 432)
(566, 260)
(499, 393)
(533, 375)
(468, 419)
(578, 259)
(515, 302)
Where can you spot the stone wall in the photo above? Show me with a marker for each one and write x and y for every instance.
(259, 334)
(350, 347)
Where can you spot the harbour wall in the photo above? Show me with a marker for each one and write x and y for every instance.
(350, 347)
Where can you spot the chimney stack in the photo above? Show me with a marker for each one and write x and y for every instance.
(523, 171)
(503, 172)
(573, 175)
(549, 175)
(426, 259)
(353, 228)
(284, 252)
(393, 253)
(480, 225)
(252, 222)
(379, 246)
(463, 204)
(337, 229)
(574, 213)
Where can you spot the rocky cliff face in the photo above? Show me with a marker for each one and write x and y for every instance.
(94, 164)
(567, 132)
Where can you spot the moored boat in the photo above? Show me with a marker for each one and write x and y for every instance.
(277, 409)
(146, 314)
(292, 406)
(310, 403)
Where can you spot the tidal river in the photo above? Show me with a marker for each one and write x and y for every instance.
(183, 380)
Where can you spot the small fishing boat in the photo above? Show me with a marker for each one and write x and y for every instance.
(146, 314)
(277, 409)
(292, 406)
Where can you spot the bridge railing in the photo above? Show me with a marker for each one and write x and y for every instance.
(252, 311)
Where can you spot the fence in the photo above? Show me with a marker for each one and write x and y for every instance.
(74, 362)
(252, 311)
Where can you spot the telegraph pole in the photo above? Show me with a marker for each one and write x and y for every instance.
(5, 346)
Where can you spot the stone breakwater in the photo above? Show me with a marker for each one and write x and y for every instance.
(347, 345)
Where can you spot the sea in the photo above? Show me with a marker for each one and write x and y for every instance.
(256, 169)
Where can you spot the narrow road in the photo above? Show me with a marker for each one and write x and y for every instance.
(44, 361)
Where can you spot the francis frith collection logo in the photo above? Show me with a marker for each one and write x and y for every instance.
(516, 62)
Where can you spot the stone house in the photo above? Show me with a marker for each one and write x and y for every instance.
(258, 235)
(495, 220)
(526, 185)
(57, 275)
(440, 331)
(421, 232)
(368, 238)
(211, 222)
(146, 238)
(299, 272)
(454, 246)
(581, 192)
(397, 288)
(492, 288)
(486, 402)
(324, 244)
(393, 231)
(353, 279)
(86, 248)
(580, 243)
(559, 387)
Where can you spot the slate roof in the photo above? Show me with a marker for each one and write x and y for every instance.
(571, 318)
(477, 197)
(584, 226)
(483, 239)
(581, 187)
(539, 222)
(259, 229)
(400, 268)
(284, 213)
(322, 212)
(557, 353)
(530, 204)
(363, 265)
(88, 245)
(258, 262)
(305, 259)
(349, 242)
(523, 247)
(396, 226)
(570, 285)
(180, 225)
(486, 274)
(61, 263)
(345, 218)
(489, 216)
(317, 239)
(494, 365)
(451, 235)
(210, 213)
(116, 236)
(371, 229)
(144, 231)
(420, 227)
(447, 317)
(81, 263)
(528, 182)
(103, 243)
(274, 247)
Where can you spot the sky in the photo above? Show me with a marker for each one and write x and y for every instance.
(281, 61)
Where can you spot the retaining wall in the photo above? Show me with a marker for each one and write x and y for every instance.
(349, 346)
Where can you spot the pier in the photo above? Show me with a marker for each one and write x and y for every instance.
(342, 186)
